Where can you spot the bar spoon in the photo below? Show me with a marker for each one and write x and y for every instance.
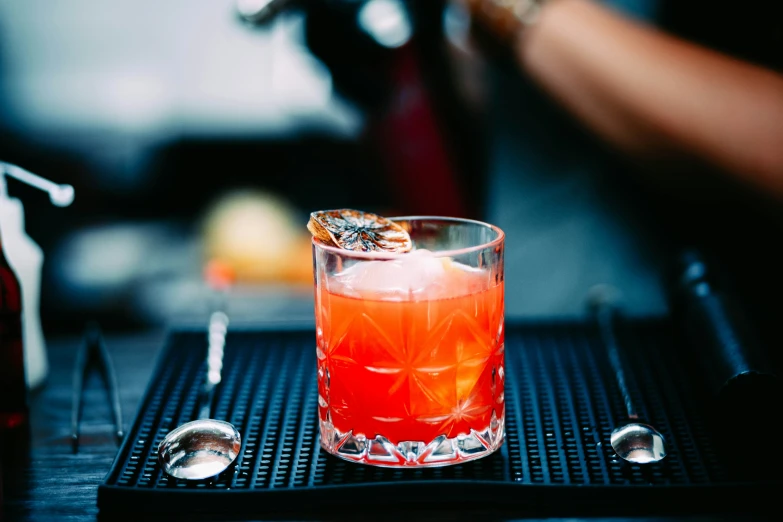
(635, 442)
(203, 448)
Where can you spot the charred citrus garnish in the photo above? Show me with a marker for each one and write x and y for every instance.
(359, 231)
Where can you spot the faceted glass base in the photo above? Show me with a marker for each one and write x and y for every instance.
(441, 451)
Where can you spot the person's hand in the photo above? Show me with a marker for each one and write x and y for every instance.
(506, 20)
(670, 104)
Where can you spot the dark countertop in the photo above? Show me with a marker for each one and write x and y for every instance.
(45, 480)
(52, 482)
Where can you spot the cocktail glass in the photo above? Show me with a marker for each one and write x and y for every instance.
(410, 347)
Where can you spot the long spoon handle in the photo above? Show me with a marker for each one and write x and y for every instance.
(218, 326)
(605, 317)
(604, 307)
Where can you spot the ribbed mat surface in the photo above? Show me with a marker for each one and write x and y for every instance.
(561, 402)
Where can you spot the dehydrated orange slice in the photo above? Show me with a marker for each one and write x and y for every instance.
(359, 231)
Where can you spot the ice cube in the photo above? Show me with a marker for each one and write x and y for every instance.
(401, 278)
(418, 275)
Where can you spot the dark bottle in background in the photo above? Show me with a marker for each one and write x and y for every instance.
(13, 387)
(424, 137)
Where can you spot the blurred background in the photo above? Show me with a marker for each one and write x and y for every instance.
(198, 136)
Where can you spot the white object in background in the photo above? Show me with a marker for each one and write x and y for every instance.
(26, 260)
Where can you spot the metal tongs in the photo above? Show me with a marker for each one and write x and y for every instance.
(93, 354)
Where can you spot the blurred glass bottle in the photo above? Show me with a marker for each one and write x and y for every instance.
(13, 388)
(24, 258)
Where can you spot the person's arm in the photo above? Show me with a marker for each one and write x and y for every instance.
(653, 95)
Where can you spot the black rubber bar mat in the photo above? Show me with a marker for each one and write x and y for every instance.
(561, 406)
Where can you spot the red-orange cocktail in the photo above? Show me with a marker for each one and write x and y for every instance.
(410, 347)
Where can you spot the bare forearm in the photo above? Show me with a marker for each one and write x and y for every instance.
(652, 94)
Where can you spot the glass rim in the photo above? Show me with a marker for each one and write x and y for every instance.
(436, 253)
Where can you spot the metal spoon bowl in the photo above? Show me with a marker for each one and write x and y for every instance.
(199, 449)
(638, 443)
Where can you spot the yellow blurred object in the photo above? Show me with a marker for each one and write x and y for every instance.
(258, 237)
